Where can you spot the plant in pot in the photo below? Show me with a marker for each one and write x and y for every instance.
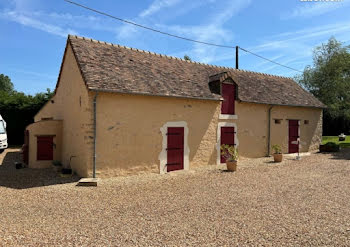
(57, 165)
(277, 155)
(230, 154)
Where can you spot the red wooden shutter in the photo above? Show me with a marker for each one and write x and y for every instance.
(293, 135)
(228, 104)
(45, 148)
(175, 149)
(227, 138)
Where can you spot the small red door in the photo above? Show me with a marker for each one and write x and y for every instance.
(45, 148)
(227, 138)
(175, 149)
(293, 136)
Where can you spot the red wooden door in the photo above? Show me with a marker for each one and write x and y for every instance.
(45, 148)
(293, 135)
(175, 149)
(228, 138)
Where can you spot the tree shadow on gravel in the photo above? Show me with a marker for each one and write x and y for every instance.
(25, 178)
(343, 154)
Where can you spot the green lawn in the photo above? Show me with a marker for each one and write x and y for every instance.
(343, 144)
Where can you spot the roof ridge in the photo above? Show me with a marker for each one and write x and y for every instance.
(172, 57)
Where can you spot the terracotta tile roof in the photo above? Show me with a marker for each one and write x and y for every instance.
(114, 68)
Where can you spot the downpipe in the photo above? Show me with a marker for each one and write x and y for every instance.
(269, 132)
(95, 136)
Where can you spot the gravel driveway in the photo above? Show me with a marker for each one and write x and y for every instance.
(295, 203)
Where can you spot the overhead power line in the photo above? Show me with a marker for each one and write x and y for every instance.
(269, 60)
(173, 35)
(148, 28)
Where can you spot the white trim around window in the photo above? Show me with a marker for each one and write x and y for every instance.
(228, 116)
(163, 154)
(218, 138)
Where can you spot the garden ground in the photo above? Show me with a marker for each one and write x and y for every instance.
(293, 203)
(335, 139)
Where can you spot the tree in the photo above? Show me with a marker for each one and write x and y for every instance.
(329, 80)
(187, 58)
(5, 83)
(19, 109)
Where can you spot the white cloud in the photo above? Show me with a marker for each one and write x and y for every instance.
(264, 62)
(213, 31)
(158, 5)
(296, 46)
(127, 31)
(311, 9)
(60, 24)
(307, 36)
(206, 33)
(291, 62)
(37, 24)
(25, 5)
(229, 10)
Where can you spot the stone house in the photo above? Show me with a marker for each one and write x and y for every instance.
(119, 110)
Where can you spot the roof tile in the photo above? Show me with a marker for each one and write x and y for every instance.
(116, 68)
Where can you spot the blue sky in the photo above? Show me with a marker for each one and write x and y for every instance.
(33, 32)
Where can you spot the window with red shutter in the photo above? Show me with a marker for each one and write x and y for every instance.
(228, 94)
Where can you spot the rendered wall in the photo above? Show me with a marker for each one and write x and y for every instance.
(44, 128)
(129, 139)
(310, 134)
(251, 129)
(252, 124)
(72, 105)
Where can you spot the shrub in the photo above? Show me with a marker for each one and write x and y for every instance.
(332, 145)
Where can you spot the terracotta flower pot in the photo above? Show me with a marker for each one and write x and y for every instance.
(231, 165)
(277, 157)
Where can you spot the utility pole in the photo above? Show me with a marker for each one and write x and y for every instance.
(237, 57)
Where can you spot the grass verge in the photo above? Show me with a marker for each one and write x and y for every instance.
(335, 139)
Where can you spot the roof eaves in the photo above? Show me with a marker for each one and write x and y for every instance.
(291, 105)
(157, 95)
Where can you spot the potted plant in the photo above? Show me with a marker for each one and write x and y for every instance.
(230, 154)
(277, 155)
(57, 165)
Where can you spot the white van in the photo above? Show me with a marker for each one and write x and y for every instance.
(3, 135)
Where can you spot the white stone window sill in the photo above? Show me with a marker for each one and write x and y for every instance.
(228, 116)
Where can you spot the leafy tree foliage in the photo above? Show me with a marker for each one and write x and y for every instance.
(18, 110)
(187, 58)
(329, 80)
(5, 83)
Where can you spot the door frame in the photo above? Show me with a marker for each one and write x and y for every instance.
(218, 139)
(288, 134)
(163, 154)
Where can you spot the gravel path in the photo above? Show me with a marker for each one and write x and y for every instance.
(294, 203)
